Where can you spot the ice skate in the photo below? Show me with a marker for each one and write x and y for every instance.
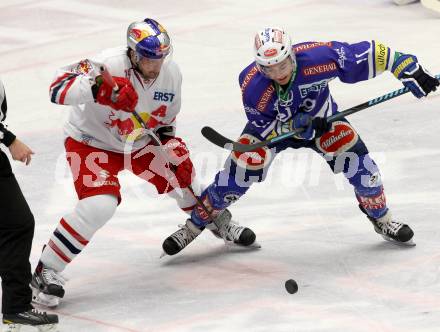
(223, 228)
(180, 238)
(393, 231)
(232, 233)
(47, 286)
(40, 320)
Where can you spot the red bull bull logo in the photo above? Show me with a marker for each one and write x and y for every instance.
(136, 33)
(125, 127)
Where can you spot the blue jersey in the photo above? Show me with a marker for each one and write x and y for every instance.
(317, 64)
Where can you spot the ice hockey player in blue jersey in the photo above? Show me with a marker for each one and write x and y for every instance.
(286, 88)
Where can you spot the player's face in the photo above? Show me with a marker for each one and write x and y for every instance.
(150, 68)
(281, 72)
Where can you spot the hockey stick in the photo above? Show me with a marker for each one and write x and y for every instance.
(218, 220)
(218, 139)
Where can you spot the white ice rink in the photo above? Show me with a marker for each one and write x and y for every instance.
(308, 223)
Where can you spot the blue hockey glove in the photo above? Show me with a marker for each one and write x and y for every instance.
(313, 127)
(413, 76)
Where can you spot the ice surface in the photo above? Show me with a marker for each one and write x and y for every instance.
(308, 224)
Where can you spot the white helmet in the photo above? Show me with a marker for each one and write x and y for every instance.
(272, 45)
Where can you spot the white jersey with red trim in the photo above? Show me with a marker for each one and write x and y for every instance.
(101, 126)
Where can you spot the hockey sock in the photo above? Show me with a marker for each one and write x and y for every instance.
(76, 229)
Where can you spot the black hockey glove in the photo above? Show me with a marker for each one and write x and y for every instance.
(413, 76)
(426, 82)
(321, 126)
(313, 127)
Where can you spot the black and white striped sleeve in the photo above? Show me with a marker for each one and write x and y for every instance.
(6, 137)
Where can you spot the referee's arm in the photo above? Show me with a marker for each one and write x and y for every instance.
(6, 137)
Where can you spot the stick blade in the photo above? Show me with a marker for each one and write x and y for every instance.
(216, 138)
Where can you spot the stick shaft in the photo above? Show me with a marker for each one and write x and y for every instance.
(215, 137)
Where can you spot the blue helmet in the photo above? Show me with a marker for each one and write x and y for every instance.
(148, 39)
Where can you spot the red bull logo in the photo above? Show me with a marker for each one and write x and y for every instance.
(125, 127)
(136, 33)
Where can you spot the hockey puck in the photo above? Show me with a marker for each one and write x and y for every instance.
(291, 286)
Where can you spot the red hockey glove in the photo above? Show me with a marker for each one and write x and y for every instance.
(126, 98)
(178, 156)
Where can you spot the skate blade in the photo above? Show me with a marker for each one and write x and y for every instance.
(40, 328)
(48, 328)
(11, 328)
(232, 244)
(40, 298)
(409, 243)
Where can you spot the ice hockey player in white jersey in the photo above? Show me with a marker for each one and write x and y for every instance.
(103, 137)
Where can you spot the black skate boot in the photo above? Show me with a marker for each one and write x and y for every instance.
(181, 238)
(226, 229)
(392, 230)
(47, 286)
(40, 320)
